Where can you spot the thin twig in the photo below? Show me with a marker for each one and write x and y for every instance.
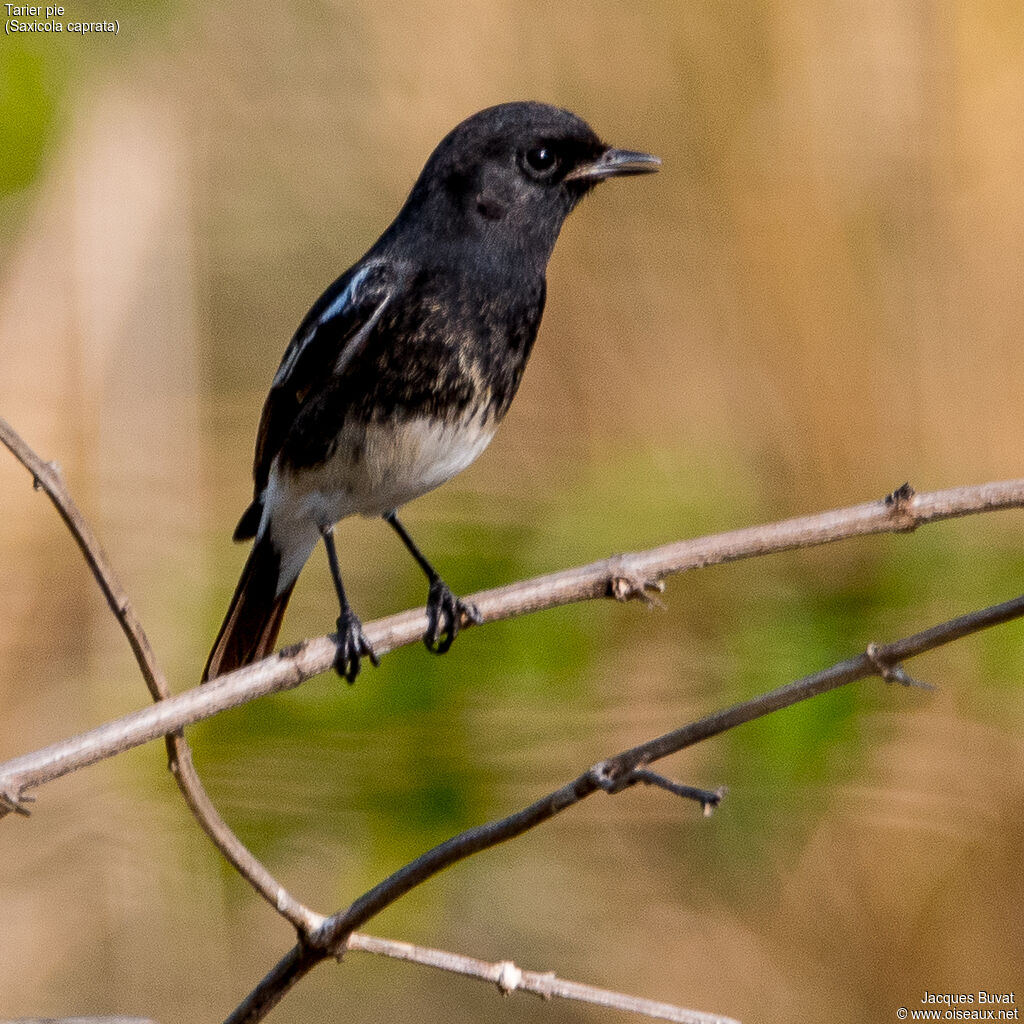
(46, 476)
(610, 776)
(708, 799)
(179, 754)
(621, 577)
(509, 978)
(506, 975)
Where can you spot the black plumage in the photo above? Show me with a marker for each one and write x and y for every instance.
(401, 371)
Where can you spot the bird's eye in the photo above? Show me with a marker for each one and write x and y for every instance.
(540, 161)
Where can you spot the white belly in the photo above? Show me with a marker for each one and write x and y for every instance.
(402, 462)
(375, 468)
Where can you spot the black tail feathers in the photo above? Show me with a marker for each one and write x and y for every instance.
(248, 526)
(254, 617)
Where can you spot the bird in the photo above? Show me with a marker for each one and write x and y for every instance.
(399, 374)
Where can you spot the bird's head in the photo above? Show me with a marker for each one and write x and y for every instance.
(503, 181)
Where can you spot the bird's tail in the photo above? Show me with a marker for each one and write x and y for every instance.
(254, 616)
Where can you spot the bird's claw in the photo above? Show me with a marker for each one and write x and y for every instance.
(446, 614)
(352, 647)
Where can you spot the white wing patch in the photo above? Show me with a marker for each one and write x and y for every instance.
(343, 300)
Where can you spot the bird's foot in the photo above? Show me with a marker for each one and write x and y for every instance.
(352, 647)
(446, 615)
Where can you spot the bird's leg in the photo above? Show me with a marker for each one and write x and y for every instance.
(445, 612)
(352, 642)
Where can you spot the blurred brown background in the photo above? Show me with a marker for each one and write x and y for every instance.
(818, 298)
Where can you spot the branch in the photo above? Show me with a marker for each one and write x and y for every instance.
(622, 577)
(506, 975)
(509, 978)
(46, 476)
(179, 754)
(610, 776)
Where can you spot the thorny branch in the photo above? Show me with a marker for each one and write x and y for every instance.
(179, 755)
(610, 776)
(307, 922)
(622, 577)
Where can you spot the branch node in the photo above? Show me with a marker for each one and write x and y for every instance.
(13, 801)
(544, 985)
(612, 775)
(632, 586)
(38, 483)
(618, 773)
(509, 977)
(893, 672)
(899, 504)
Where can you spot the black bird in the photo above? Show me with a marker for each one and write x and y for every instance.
(399, 375)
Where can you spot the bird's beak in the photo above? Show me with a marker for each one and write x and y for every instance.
(613, 163)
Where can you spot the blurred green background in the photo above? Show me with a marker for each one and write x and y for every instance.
(818, 298)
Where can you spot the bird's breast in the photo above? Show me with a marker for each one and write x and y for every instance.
(402, 460)
(380, 465)
(417, 406)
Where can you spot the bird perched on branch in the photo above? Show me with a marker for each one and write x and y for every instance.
(399, 375)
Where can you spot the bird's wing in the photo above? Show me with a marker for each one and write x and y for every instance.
(332, 334)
